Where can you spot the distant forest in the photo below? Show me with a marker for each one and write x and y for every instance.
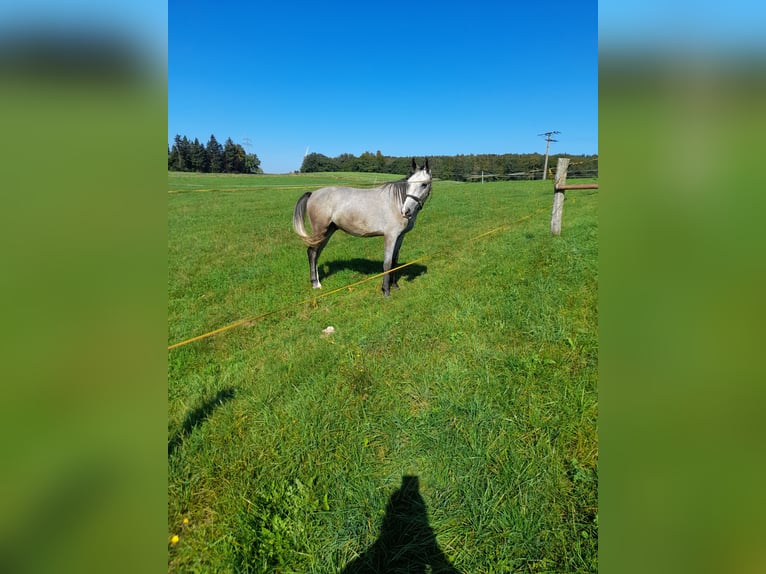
(471, 167)
(186, 155)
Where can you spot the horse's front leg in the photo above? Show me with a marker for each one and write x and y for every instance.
(388, 259)
(395, 261)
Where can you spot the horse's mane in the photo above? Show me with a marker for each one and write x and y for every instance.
(397, 189)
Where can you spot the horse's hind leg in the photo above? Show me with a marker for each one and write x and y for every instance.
(313, 254)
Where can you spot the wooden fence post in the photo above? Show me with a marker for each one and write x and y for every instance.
(558, 195)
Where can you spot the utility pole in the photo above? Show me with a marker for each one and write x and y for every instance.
(547, 148)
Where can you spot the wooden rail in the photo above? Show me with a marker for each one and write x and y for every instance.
(579, 186)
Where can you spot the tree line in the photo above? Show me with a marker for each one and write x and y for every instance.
(188, 155)
(459, 167)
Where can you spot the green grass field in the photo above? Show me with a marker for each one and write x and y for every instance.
(292, 452)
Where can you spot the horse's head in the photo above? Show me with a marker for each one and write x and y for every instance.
(418, 189)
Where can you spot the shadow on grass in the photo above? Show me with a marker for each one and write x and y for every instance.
(198, 416)
(407, 542)
(369, 267)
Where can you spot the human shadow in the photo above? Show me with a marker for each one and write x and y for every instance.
(370, 267)
(407, 542)
(198, 416)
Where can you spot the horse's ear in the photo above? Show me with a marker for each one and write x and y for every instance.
(414, 165)
(425, 167)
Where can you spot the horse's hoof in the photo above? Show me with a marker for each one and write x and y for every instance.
(317, 286)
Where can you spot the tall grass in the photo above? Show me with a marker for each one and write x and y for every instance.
(287, 449)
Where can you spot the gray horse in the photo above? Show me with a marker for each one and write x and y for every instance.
(388, 210)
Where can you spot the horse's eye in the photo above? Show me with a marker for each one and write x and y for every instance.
(423, 185)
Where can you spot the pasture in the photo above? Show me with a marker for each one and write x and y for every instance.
(452, 425)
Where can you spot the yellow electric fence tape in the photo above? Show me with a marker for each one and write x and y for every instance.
(251, 320)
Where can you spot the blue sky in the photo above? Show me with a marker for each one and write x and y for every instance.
(408, 79)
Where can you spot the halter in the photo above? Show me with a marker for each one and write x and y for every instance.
(419, 201)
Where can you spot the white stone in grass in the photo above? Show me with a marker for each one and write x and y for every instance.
(328, 331)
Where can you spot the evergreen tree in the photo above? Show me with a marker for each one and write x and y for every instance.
(185, 155)
(198, 157)
(233, 157)
(214, 153)
(173, 158)
(181, 158)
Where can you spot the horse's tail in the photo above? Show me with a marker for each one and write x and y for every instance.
(299, 215)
